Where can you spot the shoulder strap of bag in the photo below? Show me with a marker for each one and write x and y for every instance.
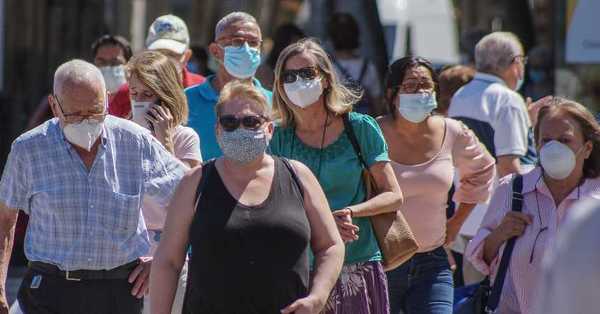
(207, 169)
(517, 206)
(352, 137)
(289, 166)
(363, 70)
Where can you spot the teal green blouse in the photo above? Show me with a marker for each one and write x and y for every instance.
(339, 171)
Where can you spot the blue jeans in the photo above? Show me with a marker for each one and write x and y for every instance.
(422, 285)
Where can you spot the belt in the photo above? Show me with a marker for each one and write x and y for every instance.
(121, 272)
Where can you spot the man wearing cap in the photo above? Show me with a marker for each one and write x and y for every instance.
(169, 35)
(81, 178)
(237, 46)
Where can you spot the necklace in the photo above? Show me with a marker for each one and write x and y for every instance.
(294, 135)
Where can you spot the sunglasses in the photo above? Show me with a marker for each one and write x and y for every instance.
(230, 123)
(308, 73)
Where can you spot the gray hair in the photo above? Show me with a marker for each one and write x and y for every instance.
(496, 51)
(232, 18)
(78, 72)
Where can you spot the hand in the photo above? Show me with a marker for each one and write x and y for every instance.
(452, 229)
(343, 220)
(534, 108)
(141, 276)
(163, 126)
(512, 225)
(308, 305)
(3, 304)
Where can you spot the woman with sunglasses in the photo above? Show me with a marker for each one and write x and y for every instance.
(251, 220)
(425, 150)
(159, 104)
(312, 105)
(568, 142)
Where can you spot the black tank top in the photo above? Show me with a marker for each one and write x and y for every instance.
(248, 259)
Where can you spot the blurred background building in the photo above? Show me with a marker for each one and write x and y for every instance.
(560, 37)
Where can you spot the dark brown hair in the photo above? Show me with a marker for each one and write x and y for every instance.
(590, 129)
(451, 79)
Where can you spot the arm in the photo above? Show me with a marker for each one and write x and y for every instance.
(171, 252)
(8, 220)
(508, 164)
(326, 244)
(389, 198)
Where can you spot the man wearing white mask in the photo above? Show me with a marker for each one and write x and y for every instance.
(110, 55)
(169, 35)
(81, 178)
(237, 45)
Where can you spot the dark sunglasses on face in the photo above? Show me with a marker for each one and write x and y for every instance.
(308, 73)
(230, 123)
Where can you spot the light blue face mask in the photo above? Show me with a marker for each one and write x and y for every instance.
(416, 107)
(241, 62)
(519, 84)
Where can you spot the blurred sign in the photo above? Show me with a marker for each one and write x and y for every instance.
(583, 37)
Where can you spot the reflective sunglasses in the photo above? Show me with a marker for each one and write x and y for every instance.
(230, 122)
(308, 73)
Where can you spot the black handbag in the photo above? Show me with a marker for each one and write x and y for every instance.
(482, 297)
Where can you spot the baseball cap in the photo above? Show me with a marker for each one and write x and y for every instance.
(168, 32)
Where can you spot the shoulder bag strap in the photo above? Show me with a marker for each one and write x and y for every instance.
(352, 137)
(517, 206)
(363, 70)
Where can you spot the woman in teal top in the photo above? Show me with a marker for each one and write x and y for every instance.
(311, 103)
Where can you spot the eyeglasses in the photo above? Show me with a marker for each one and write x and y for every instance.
(523, 59)
(291, 76)
(230, 123)
(414, 86)
(238, 42)
(77, 118)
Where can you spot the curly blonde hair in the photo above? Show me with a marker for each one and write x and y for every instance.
(338, 98)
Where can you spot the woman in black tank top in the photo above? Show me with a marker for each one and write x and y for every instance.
(249, 219)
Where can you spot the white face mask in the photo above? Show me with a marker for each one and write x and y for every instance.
(139, 110)
(303, 93)
(557, 159)
(114, 77)
(416, 107)
(83, 134)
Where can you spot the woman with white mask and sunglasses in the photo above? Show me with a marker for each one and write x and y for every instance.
(425, 151)
(312, 106)
(568, 142)
(159, 105)
(251, 220)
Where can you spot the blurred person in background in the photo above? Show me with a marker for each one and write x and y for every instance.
(237, 46)
(314, 109)
(451, 79)
(81, 177)
(425, 150)
(285, 35)
(490, 107)
(355, 71)
(568, 142)
(159, 104)
(199, 61)
(251, 220)
(169, 35)
(540, 74)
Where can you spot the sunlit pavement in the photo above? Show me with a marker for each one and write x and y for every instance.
(15, 275)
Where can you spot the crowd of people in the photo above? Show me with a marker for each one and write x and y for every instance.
(153, 189)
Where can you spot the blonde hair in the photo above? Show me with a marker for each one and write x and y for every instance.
(157, 72)
(242, 90)
(338, 98)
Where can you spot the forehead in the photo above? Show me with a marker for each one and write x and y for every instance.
(241, 105)
(559, 124)
(242, 29)
(81, 99)
(136, 84)
(417, 73)
(301, 60)
(109, 51)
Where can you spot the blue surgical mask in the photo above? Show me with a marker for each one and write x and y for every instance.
(241, 62)
(416, 107)
(519, 83)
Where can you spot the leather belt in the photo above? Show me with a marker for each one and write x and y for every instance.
(121, 272)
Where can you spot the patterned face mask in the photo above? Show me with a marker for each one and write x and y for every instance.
(243, 145)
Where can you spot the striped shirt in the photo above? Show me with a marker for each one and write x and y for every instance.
(521, 291)
(87, 219)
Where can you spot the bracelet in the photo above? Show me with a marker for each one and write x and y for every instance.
(351, 212)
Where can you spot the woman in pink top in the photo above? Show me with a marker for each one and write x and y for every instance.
(568, 140)
(159, 104)
(425, 150)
